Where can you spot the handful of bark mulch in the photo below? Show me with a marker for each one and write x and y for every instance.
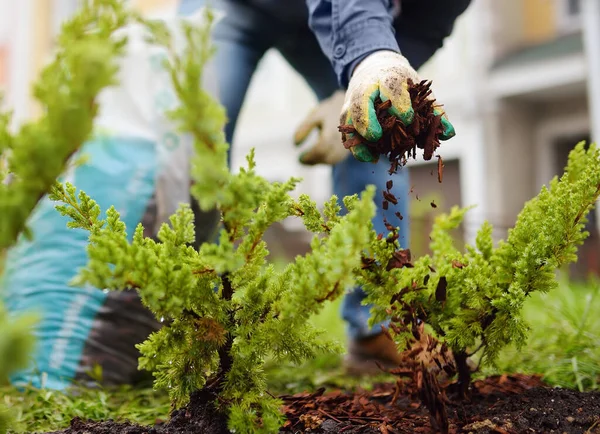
(399, 142)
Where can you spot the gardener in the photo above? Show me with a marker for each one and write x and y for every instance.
(374, 46)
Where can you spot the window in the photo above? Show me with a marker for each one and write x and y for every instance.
(569, 15)
(573, 7)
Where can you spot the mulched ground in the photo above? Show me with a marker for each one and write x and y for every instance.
(501, 404)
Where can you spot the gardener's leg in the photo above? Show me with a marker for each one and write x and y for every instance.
(240, 44)
(350, 177)
(301, 50)
(241, 39)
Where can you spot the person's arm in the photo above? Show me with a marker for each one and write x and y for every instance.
(358, 38)
(424, 25)
(349, 30)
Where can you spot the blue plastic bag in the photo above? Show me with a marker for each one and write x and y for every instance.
(136, 162)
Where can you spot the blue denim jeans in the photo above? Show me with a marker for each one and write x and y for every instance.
(242, 38)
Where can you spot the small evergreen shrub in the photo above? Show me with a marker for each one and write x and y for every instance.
(223, 306)
(33, 157)
(472, 301)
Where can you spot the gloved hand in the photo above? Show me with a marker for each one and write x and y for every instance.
(383, 74)
(325, 117)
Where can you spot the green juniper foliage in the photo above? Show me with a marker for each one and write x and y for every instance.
(224, 308)
(34, 156)
(473, 299)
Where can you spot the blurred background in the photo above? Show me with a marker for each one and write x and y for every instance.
(516, 78)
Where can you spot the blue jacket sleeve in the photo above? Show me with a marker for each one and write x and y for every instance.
(348, 30)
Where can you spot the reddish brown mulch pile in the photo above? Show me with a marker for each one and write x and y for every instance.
(399, 142)
(502, 405)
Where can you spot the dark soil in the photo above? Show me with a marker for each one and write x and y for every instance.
(501, 404)
(199, 416)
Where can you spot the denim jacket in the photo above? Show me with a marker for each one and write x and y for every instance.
(349, 30)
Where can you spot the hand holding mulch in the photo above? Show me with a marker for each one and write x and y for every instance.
(399, 141)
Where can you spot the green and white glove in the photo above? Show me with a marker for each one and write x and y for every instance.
(383, 74)
(325, 118)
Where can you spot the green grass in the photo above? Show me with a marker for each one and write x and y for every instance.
(44, 410)
(564, 342)
(564, 347)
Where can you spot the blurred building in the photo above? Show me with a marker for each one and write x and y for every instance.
(27, 30)
(537, 87)
(513, 78)
(537, 92)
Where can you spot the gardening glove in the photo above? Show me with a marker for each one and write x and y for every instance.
(383, 74)
(325, 118)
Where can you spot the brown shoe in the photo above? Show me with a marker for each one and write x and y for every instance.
(365, 354)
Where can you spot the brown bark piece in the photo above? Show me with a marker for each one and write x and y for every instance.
(440, 290)
(440, 168)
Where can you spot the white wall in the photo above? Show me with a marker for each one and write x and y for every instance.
(5, 31)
